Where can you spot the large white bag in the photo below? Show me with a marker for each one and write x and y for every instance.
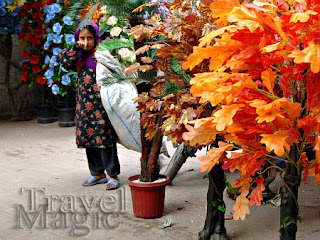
(117, 99)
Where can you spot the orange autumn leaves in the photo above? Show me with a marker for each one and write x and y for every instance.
(260, 57)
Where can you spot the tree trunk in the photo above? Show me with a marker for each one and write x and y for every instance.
(178, 159)
(214, 227)
(150, 153)
(289, 200)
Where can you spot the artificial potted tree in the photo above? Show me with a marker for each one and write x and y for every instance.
(168, 105)
(263, 82)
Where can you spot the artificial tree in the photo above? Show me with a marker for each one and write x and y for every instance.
(263, 81)
(176, 36)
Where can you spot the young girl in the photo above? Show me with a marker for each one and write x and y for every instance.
(94, 131)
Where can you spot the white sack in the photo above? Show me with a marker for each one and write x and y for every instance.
(117, 99)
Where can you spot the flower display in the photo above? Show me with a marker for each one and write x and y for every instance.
(58, 36)
(115, 31)
(117, 40)
(112, 20)
(31, 36)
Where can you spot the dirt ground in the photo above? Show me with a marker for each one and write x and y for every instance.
(42, 197)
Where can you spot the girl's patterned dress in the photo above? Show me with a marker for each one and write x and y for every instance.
(93, 128)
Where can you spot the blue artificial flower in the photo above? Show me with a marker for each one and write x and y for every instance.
(2, 4)
(57, 38)
(3, 30)
(56, 51)
(2, 12)
(49, 74)
(9, 1)
(46, 45)
(57, 28)
(49, 17)
(53, 61)
(66, 80)
(55, 8)
(67, 20)
(75, 75)
(69, 38)
(55, 89)
(46, 60)
(59, 1)
(49, 82)
(50, 36)
(45, 9)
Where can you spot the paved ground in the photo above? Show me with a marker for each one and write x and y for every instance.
(40, 164)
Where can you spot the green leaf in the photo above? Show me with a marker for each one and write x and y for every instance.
(175, 66)
(115, 44)
(104, 29)
(71, 73)
(205, 176)
(284, 222)
(299, 218)
(214, 203)
(221, 208)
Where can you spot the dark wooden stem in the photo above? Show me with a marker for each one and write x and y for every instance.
(214, 227)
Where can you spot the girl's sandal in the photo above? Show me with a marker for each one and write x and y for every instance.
(93, 180)
(112, 184)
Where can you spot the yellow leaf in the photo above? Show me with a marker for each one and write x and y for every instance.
(204, 134)
(266, 112)
(206, 40)
(198, 55)
(145, 68)
(213, 156)
(241, 208)
(225, 115)
(270, 48)
(199, 122)
(221, 10)
(251, 25)
(242, 14)
(132, 68)
(302, 17)
(268, 78)
(146, 60)
(310, 54)
(276, 142)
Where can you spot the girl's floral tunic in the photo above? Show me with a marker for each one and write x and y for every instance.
(93, 128)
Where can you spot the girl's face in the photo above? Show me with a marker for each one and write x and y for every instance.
(87, 39)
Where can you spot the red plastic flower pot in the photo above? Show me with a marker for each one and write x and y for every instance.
(147, 197)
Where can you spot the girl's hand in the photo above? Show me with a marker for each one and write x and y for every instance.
(81, 44)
